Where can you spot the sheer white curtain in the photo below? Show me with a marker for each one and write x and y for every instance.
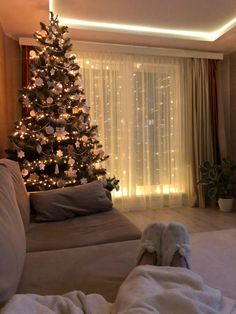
(138, 104)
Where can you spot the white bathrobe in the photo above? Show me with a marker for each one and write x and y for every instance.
(147, 290)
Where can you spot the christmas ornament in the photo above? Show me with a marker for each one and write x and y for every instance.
(32, 54)
(50, 84)
(77, 144)
(23, 129)
(67, 55)
(24, 172)
(41, 138)
(52, 72)
(49, 100)
(32, 113)
(26, 101)
(60, 133)
(71, 161)
(49, 129)
(38, 81)
(77, 82)
(43, 33)
(76, 97)
(59, 87)
(65, 35)
(39, 149)
(84, 138)
(49, 41)
(71, 173)
(83, 181)
(101, 153)
(86, 109)
(41, 166)
(59, 153)
(75, 109)
(20, 154)
(33, 177)
(56, 171)
(61, 183)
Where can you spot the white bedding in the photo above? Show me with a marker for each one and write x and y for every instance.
(147, 289)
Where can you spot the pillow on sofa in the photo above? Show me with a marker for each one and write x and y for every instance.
(22, 196)
(12, 238)
(80, 200)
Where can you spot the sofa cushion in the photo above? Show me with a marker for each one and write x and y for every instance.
(94, 269)
(106, 227)
(12, 237)
(22, 196)
(61, 204)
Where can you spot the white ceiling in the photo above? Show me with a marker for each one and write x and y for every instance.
(20, 18)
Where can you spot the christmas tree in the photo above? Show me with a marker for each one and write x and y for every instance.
(55, 144)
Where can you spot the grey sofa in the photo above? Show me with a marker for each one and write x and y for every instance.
(91, 253)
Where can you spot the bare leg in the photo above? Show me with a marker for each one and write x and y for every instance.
(148, 259)
(179, 261)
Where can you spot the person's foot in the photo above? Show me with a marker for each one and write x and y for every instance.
(150, 246)
(148, 259)
(179, 261)
(175, 246)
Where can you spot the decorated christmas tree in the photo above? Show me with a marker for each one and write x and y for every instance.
(54, 143)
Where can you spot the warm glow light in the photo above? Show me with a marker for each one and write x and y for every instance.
(156, 31)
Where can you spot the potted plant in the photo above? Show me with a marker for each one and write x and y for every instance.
(220, 181)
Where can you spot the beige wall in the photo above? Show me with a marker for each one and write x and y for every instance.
(10, 83)
(232, 71)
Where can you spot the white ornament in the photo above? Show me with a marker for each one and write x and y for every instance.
(84, 138)
(32, 54)
(86, 109)
(71, 161)
(26, 101)
(24, 172)
(71, 173)
(83, 181)
(65, 35)
(61, 183)
(43, 33)
(77, 144)
(39, 149)
(60, 133)
(101, 153)
(20, 154)
(56, 169)
(59, 87)
(76, 96)
(59, 153)
(32, 113)
(41, 166)
(78, 82)
(23, 129)
(67, 55)
(38, 81)
(49, 129)
(52, 72)
(49, 100)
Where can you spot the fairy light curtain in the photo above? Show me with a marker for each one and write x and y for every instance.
(138, 103)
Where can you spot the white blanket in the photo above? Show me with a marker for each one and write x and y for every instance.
(147, 290)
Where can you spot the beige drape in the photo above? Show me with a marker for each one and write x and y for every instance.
(10, 82)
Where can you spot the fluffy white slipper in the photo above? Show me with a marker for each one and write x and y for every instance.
(175, 238)
(151, 241)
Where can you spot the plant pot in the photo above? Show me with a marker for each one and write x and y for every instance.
(226, 204)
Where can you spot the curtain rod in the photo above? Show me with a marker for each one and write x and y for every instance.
(130, 49)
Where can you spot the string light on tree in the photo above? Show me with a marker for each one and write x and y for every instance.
(55, 143)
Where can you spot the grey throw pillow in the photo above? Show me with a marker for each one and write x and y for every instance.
(80, 200)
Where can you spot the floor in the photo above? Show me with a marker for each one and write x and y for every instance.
(194, 219)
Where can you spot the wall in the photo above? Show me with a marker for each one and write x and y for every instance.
(10, 82)
(233, 103)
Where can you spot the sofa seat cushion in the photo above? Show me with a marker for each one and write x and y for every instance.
(12, 238)
(105, 227)
(94, 269)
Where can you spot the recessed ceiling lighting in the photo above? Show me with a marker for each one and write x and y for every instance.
(139, 29)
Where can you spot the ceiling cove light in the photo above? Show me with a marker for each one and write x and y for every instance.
(138, 29)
